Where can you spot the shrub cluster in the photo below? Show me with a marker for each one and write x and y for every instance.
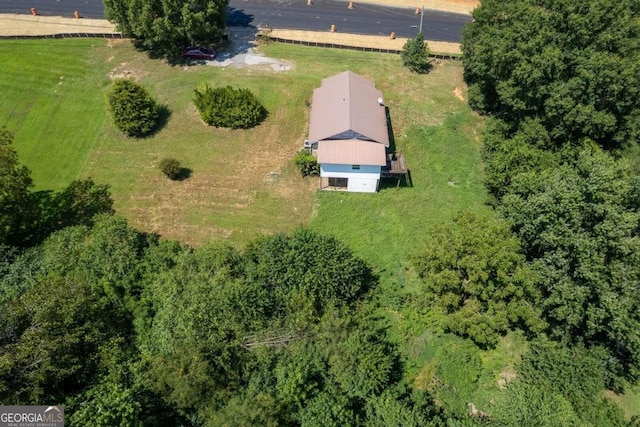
(229, 107)
(307, 163)
(134, 111)
(171, 168)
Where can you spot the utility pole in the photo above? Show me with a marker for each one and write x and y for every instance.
(421, 19)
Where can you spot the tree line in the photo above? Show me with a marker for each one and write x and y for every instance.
(558, 82)
(127, 329)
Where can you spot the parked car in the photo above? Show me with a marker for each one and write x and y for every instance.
(198, 53)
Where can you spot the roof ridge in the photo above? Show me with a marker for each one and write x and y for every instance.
(349, 89)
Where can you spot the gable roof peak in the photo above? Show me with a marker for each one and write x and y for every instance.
(348, 103)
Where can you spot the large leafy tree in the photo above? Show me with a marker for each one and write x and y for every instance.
(270, 337)
(572, 64)
(210, 315)
(168, 26)
(27, 217)
(51, 337)
(473, 270)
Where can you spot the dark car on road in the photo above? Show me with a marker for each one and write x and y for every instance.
(198, 53)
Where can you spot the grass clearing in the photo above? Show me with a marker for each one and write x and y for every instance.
(53, 102)
(243, 183)
(629, 401)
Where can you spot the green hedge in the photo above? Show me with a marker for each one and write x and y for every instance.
(229, 107)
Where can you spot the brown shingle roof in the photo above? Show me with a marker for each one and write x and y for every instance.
(347, 103)
(351, 152)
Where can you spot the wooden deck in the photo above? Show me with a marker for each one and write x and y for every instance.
(396, 166)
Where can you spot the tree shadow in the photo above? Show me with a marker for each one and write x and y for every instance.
(185, 173)
(426, 68)
(238, 18)
(240, 40)
(164, 113)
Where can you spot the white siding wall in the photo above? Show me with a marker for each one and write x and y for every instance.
(364, 180)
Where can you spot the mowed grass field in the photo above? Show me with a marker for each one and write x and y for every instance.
(52, 100)
(243, 183)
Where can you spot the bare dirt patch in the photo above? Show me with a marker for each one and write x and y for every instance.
(458, 94)
(126, 71)
(506, 377)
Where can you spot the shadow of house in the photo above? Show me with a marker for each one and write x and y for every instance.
(392, 139)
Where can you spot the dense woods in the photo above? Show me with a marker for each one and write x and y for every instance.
(559, 83)
(157, 333)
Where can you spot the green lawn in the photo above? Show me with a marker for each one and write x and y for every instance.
(53, 102)
(446, 176)
(243, 183)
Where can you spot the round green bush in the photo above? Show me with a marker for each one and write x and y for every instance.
(307, 163)
(171, 168)
(229, 107)
(134, 111)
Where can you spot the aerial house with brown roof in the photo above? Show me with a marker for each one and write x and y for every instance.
(348, 127)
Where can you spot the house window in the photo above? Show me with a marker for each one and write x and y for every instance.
(338, 182)
(355, 167)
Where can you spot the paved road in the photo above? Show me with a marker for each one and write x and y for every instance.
(87, 8)
(363, 19)
(290, 14)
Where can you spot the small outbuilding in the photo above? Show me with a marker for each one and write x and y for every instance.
(348, 128)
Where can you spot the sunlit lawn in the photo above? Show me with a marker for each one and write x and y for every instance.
(52, 100)
(243, 183)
